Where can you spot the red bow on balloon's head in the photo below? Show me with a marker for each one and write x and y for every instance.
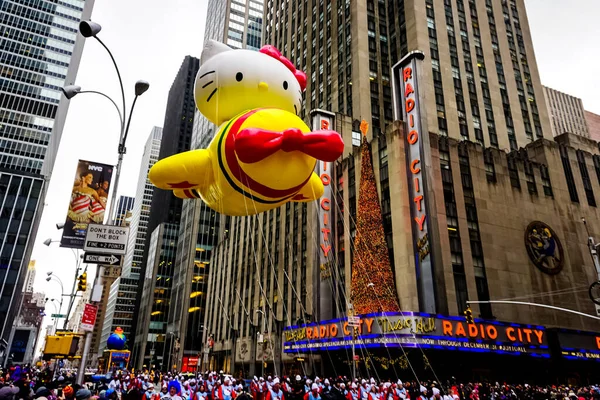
(271, 51)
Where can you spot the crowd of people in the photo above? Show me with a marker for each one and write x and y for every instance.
(32, 384)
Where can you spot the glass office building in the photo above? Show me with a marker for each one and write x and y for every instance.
(40, 50)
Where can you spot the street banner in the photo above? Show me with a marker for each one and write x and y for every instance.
(87, 205)
(88, 318)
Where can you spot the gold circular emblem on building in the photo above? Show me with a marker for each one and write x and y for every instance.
(544, 248)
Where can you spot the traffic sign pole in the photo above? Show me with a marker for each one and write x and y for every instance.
(88, 320)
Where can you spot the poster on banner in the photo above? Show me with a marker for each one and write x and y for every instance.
(88, 318)
(89, 197)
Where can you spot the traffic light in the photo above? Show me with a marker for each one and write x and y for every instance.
(469, 315)
(82, 285)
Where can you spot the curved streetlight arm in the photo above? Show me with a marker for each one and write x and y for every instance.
(526, 303)
(120, 80)
(57, 279)
(122, 149)
(111, 100)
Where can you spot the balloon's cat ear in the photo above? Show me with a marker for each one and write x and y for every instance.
(213, 48)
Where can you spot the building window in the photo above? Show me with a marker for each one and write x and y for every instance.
(513, 172)
(530, 178)
(564, 155)
(546, 184)
(585, 177)
(490, 169)
(596, 159)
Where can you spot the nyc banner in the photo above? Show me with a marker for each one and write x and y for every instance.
(89, 196)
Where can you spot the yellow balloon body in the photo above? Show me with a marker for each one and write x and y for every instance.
(232, 187)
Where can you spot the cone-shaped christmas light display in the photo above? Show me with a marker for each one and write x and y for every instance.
(372, 284)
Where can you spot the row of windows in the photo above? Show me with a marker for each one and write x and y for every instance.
(47, 68)
(52, 9)
(481, 282)
(37, 22)
(23, 89)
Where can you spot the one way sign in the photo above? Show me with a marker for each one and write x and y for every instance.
(96, 258)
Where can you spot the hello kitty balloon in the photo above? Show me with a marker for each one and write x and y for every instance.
(263, 155)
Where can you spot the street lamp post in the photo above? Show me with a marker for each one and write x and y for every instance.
(62, 293)
(91, 29)
(78, 258)
(56, 310)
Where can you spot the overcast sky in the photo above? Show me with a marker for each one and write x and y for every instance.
(150, 38)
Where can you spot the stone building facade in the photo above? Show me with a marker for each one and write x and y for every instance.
(490, 197)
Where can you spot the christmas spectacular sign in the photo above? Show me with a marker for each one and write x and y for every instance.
(411, 329)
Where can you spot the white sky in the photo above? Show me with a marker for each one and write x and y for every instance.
(150, 38)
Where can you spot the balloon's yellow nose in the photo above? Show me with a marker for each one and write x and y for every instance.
(263, 86)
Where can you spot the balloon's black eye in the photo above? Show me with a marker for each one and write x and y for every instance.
(285, 85)
(239, 76)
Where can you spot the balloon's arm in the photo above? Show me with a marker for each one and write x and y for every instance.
(183, 171)
(311, 191)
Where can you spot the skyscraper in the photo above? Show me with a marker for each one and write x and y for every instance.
(240, 26)
(154, 300)
(121, 299)
(41, 50)
(123, 211)
(566, 112)
(593, 122)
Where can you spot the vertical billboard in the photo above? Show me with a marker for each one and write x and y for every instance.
(324, 120)
(407, 107)
(87, 204)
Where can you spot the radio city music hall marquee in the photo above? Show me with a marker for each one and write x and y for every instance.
(410, 329)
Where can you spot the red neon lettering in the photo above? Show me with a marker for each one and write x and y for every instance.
(333, 330)
(407, 73)
(473, 331)
(491, 332)
(447, 328)
(528, 333)
(419, 220)
(410, 105)
(325, 204)
(326, 179)
(413, 166)
(510, 334)
(325, 249)
(418, 200)
(408, 90)
(413, 137)
(411, 120)
(325, 219)
(325, 232)
(540, 334)
(417, 188)
(324, 124)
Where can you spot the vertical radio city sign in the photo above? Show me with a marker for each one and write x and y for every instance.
(322, 120)
(407, 107)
